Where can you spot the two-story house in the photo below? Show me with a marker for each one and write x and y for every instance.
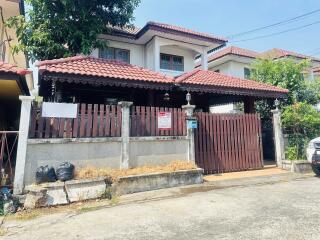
(236, 61)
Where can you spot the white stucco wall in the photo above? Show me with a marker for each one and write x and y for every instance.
(136, 51)
(231, 68)
(144, 55)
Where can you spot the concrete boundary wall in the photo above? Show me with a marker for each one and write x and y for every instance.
(103, 152)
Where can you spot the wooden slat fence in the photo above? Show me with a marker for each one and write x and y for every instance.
(93, 120)
(144, 122)
(228, 142)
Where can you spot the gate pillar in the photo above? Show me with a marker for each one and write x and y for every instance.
(278, 137)
(190, 131)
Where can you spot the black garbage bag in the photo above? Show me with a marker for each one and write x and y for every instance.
(65, 171)
(45, 174)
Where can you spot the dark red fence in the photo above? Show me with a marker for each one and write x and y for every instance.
(228, 142)
(93, 120)
(144, 122)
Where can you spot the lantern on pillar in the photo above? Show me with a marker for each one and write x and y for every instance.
(188, 98)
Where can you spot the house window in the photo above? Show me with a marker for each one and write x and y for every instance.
(247, 73)
(171, 62)
(115, 54)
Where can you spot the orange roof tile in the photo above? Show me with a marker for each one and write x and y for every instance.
(214, 79)
(9, 68)
(90, 66)
(279, 53)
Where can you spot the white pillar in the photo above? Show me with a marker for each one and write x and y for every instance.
(22, 143)
(125, 134)
(156, 51)
(278, 137)
(190, 132)
(204, 60)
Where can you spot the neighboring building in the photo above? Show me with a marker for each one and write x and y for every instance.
(235, 61)
(13, 71)
(8, 38)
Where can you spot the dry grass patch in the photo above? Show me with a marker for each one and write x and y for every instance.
(114, 174)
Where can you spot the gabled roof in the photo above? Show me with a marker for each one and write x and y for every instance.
(166, 28)
(97, 67)
(217, 82)
(10, 68)
(276, 53)
(232, 50)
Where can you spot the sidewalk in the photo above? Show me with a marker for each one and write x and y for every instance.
(268, 170)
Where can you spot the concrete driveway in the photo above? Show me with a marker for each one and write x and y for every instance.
(287, 208)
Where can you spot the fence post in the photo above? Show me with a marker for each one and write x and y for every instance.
(22, 143)
(278, 137)
(190, 132)
(125, 134)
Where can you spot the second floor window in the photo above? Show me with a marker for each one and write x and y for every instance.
(115, 54)
(171, 62)
(247, 73)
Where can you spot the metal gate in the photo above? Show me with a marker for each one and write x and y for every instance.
(228, 142)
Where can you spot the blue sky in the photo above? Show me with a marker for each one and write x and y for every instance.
(229, 17)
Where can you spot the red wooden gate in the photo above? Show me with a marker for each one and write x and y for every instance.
(228, 142)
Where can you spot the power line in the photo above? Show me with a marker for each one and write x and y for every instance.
(273, 25)
(276, 33)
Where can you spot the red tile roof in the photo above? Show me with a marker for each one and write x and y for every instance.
(90, 66)
(9, 68)
(232, 50)
(136, 32)
(279, 53)
(214, 79)
(184, 30)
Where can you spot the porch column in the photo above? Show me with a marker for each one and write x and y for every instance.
(278, 137)
(18, 184)
(125, 134)
(249, 105)
(204, 60)
(190, 132)
(156, 51)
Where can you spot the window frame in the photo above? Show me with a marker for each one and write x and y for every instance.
(245, 73)
(114, 49)
(171, 64)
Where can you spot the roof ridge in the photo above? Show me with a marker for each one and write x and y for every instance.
(62, 60)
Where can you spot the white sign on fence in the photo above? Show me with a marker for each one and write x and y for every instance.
(164, 120)
(59, 110)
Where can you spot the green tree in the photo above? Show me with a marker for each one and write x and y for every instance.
(302, 123)
(62, 28)
(282, 73)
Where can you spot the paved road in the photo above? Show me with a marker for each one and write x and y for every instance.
(282, 210)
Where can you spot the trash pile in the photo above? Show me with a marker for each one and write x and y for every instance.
(64, 172)
(8, 204)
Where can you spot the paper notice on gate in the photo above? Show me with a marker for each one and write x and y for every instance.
(164, 120)
(59, 110)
